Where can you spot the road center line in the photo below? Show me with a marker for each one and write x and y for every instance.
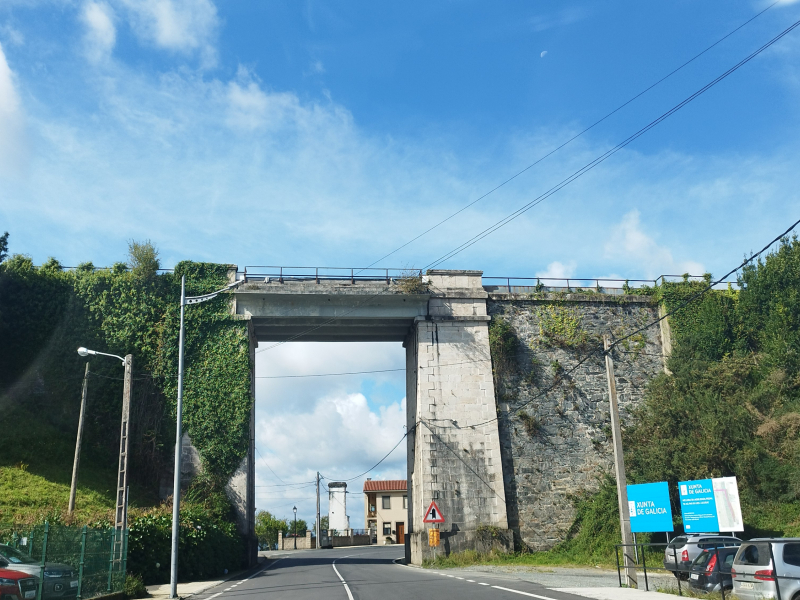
(505, 589)
(344, 583)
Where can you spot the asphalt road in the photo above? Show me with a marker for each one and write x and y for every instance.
(370, 573)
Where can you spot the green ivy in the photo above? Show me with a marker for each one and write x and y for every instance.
(46, 313)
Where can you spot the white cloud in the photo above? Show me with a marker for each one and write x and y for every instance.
(628, 242)
(560, 18)
(101, 34)
(13, 142)
(558, 270)
(184, 26)
(326, 424)
(11, 35)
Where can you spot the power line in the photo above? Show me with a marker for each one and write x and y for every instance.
(373, 467)
(267, 464)
(617, 342)
(574, 137)
(577, 174)
(327, 374)
(606, 155)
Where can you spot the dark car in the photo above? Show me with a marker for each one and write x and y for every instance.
(60, 580)
(683, 549)
(711, 570)
(16, 585)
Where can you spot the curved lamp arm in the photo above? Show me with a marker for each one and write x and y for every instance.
(86, 352)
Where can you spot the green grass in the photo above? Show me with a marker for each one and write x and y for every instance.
(29, 498)
(36, 472)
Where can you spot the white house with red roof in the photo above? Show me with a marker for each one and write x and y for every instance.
(386, 509)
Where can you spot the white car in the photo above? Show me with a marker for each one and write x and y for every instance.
(757, 564)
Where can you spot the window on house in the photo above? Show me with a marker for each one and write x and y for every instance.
(387, 529)
(405, 501)
(386, 502)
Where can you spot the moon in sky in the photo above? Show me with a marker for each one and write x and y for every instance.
(543, 54)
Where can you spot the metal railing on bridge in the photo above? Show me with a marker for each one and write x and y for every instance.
(604, 285)
(317, 274)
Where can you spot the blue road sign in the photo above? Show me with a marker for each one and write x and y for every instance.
(649, 507)
(698, 507)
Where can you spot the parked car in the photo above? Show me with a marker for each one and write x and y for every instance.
(60, 580)
(754, 571)
(711, 570)
(683, 549)
(16, 585)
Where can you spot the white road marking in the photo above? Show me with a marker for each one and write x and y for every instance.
(346, 587)
(214, 596)
(505, 589)
(481, 583)
(228, 589)
(459, 578)
(471, 580)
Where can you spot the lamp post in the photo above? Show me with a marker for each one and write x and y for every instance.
(176, 486)
(121, 515)
(294, 508)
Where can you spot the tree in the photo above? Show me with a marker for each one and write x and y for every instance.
(143, 259)
(323, 524)
(302, 527)
(3, 246)
(267, 528)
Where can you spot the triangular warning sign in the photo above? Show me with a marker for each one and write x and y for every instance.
(433, 514)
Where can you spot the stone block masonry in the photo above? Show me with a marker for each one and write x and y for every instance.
(554, 425)
(454, 454)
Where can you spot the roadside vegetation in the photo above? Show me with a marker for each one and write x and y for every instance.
(46, 313)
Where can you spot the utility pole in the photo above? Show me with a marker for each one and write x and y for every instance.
(121, 516)
(176, 486)
(73, 488)
(318, 527)
(619, 469)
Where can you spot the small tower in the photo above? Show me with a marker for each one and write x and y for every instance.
(337, 507)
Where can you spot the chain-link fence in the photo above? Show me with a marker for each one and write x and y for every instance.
(68, 562)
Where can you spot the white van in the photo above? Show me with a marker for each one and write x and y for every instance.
(757, 564)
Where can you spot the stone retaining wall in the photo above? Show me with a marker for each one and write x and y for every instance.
(554, 424)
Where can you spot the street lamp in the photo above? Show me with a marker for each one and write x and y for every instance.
(121, 515)
(176, 486)
(294, 508)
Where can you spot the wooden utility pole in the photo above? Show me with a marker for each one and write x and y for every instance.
(619, 469)
(318, 531)
(73, 488)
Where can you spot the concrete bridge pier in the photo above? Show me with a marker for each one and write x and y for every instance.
(454, 445)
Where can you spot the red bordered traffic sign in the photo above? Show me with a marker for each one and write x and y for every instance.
(433, 514)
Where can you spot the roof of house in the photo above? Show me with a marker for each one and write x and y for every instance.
(386, 485)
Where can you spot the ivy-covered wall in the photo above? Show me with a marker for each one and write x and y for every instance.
(46, 313)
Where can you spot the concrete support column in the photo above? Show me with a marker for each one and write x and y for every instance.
(454, 452)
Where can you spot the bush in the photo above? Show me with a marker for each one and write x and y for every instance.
(134, 587)
(206, 546)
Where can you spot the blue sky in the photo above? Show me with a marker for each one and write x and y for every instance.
(322, 133)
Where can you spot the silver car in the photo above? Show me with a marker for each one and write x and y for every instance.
(683, 549)
(754, 570)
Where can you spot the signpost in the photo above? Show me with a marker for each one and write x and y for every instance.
(710, 505)
(433, 537)
(433, 515)
(649, 507)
